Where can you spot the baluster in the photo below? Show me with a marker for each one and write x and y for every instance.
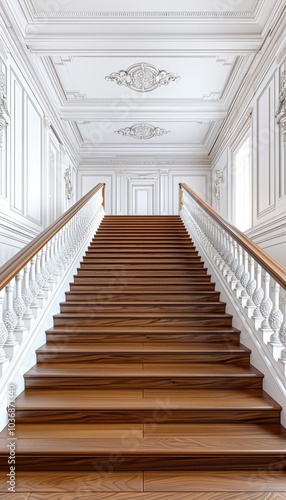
(244, 280)
(234, 267)
(27, 297)
(40, 280)
(257, 299)
(10, 320)
(238, 273)
(49, 266)
(4, 361)
(34, 287)
(250, 288)
(275, 321)
(266, 308)
(282, 337)
(45, 273)
(20, 308)
(231, 259)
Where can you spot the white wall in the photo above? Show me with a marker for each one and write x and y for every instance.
(257, 117)
(32, 163)
(163, 183)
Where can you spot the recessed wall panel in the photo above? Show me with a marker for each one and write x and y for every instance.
(265, 150)
(17, 159)
(33, 167)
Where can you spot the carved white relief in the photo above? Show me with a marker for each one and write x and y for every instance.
(3, 50)
(281, 113)
(218, 181)
(4, 113)
(142, 131)
(142, 77)
(68, 183)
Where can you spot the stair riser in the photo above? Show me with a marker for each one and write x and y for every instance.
(126, 280)
(155, 261)
(122, 358)
(127, 322)
(181, 268)
(128, 273)
(148, 308)
(117, 285)
(147, 382)
(75, 335)
(167, 297)
(154, 461)
(166, 415)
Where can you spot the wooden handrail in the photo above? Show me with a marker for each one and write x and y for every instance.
(11, 268)
(271, 265)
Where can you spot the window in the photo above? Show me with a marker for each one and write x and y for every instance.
(242, 186)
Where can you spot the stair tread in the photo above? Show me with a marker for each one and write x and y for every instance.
(137, 348)
(125, 399)
(134, 314)
(180, 446)
(90, 370)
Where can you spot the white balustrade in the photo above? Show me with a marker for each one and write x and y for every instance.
(256, 291)
(25, 298)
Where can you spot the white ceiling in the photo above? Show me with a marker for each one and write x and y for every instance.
(209, 44)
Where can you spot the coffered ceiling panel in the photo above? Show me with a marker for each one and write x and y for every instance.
(202, 78)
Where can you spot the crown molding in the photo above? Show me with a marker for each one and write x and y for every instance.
(122, 161)
(138, 45)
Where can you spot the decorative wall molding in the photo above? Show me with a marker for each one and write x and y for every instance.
(142, 77)
(75, 95)
(4, 113)
(281, 113)
(3, 50)
(68, 183)
(217, 183)
(142, 131)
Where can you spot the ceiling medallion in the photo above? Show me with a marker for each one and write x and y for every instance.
(142, 77)
(142, 131)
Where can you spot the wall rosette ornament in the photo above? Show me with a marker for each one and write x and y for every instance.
(142, 77)
(142, 131)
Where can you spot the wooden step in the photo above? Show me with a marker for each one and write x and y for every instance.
(87, 271)
(186, 407)
(125, 278)
(85, 334)
(198, 452)
(195, 376)
(141, 307)
(147, 265)
(157, 287)
(148, 485)
(154, 260)
(126, 319)
(143, 353)
(143, 296)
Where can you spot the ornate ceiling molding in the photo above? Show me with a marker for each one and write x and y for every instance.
(218, 12)
(142, 77)
(142, 131)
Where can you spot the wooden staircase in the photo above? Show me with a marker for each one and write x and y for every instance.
(143, 370)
